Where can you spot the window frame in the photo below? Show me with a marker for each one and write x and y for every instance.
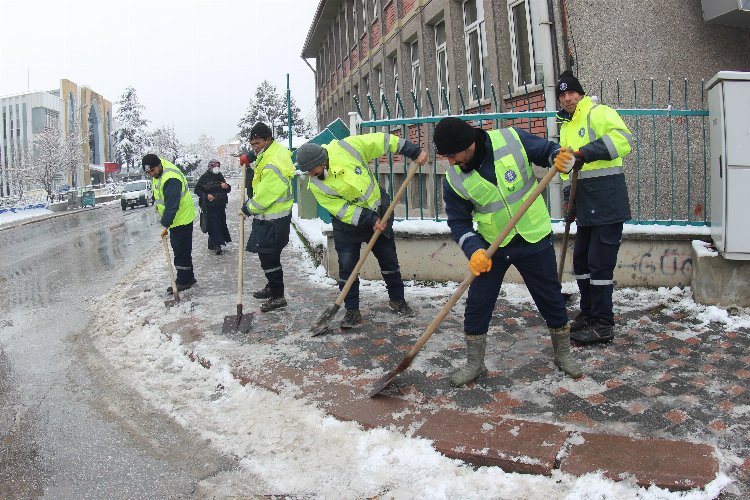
(415, 72)
(514, 44)
(475, 28)
(442, 48)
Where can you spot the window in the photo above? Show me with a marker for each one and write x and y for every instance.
(441, 59)
(380, 93)
(396, 88)
(414, 49)
(521, 44)
(364, 16)
(476, 49)
(375, 9)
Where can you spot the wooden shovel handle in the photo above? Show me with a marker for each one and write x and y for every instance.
(489, 252)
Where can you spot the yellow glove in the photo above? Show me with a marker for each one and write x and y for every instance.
(565, 160)
(479, 263)
(164, 232)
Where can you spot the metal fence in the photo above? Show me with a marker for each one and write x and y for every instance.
(666, 171)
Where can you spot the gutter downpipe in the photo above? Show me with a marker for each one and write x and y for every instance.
(543, 33)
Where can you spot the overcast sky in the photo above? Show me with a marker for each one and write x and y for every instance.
(194, 63)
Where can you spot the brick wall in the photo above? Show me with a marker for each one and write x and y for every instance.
(390, 16)
(375, 32)
(355, 56)
(346, 67)
(363, 47)
(406, 6)
(532, 102)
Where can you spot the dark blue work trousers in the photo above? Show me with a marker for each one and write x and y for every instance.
(181, 238)
(594, 261)
(385, 251)
(537, 265)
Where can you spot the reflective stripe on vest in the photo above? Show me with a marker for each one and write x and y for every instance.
(601, 172)
(186, 209)
(345, 207)
(497, 202)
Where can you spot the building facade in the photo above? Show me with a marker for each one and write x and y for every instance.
(502, 55)
(72, 109)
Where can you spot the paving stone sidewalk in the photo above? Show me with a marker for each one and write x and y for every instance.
(666, 403)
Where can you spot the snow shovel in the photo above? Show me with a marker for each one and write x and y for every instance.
(239, 322)
(564, 248)
(176, 294)
(385, 380)
(320, 326)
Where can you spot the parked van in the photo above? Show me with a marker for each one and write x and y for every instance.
(136, 193)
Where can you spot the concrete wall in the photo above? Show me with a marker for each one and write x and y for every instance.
(644, 259)
(718, 281)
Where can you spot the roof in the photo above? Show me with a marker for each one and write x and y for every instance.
(322, 21)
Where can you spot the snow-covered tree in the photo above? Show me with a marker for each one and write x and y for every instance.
(195, 156)
(187, 162)
(18, 175)
(47, 163)
(72, 158)
(269, 106)
(164, 143)
(131, 137)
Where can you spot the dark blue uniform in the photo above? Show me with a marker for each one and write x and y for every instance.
(535, 262)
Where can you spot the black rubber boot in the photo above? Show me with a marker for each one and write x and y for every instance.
(351, 319)
(273, 303)
(263, 293)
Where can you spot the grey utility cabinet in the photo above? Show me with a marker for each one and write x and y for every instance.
(729, 117)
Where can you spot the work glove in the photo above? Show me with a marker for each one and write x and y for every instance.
(479, 263)
(564, 161)
(570, 214)
(245, 211)
(567, 160)
(164, 232)
(247, 158)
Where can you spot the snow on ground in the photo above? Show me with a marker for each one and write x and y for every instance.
(293, 447)
(8, 217)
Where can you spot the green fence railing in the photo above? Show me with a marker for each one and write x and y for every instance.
(666, 172)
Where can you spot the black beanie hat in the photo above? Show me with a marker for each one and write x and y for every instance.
(453, 135)
(568, 82)
(150, 160)
(260, 131)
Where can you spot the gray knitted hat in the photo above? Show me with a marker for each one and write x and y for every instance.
(310, 155)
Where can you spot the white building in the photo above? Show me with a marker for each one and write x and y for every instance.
(69, 108)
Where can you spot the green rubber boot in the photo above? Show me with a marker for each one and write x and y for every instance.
(475, 346)
(561, 345)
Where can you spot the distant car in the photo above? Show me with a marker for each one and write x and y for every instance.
(136, 193)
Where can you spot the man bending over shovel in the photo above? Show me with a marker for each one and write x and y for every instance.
(488, 181)
(343, 184)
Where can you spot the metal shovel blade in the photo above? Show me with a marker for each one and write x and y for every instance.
(321, 326)
(173, 301)
(238, 322)
(383, 382)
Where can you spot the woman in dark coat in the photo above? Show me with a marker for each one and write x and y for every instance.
(212, 190)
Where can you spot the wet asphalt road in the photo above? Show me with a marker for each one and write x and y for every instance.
(68, 429)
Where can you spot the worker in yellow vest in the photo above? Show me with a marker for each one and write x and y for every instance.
(270, 206)
(599, 139)
(489, 179)
(343, 184)
(175, 205)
